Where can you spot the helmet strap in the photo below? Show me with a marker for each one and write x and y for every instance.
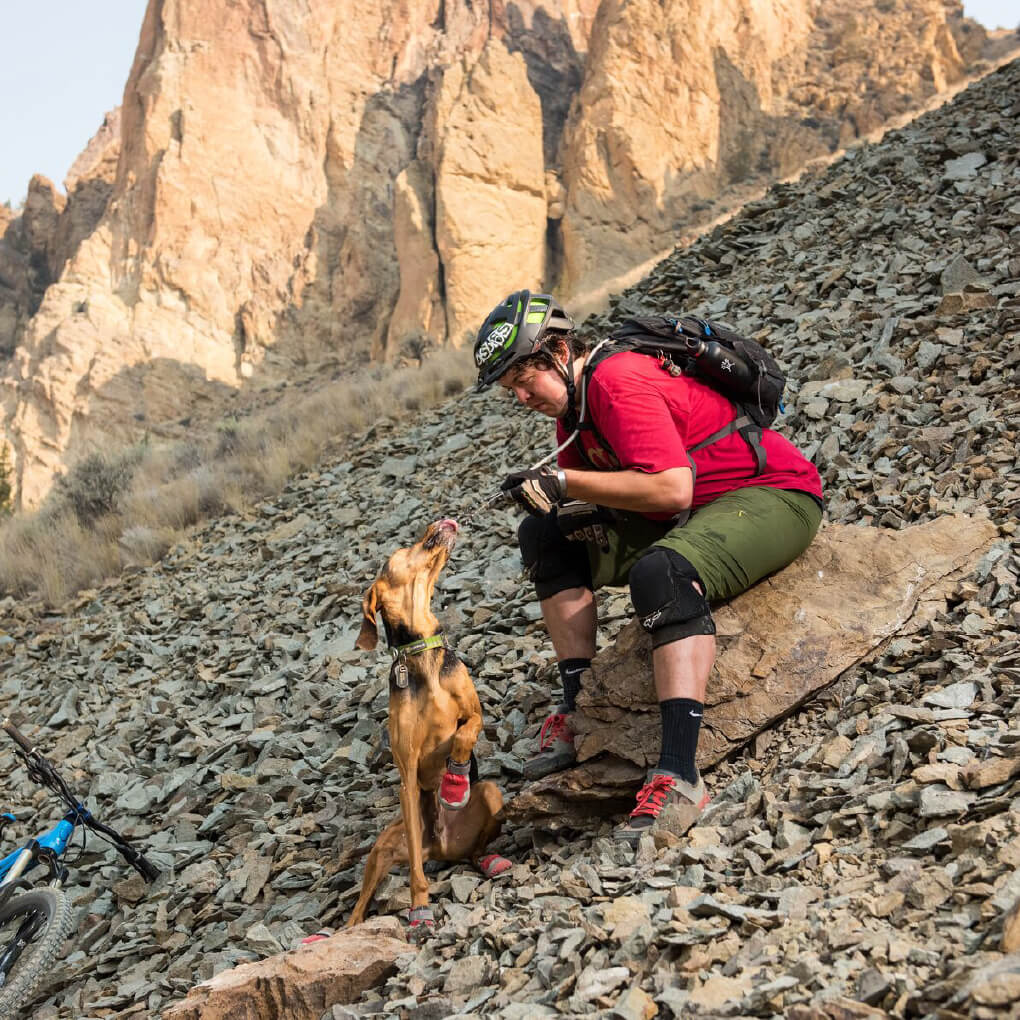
(567, 372)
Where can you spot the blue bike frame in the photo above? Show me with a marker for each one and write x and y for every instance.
(14, 865)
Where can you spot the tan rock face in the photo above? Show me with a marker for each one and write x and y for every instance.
(419, 314)
(680, 101)
(779, 643)
(289, 180)
(302, 984)
(490, 186)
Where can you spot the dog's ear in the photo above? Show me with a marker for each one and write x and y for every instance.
(369, 636)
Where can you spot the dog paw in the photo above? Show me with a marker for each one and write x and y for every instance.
(454, 791)
(493, 865)
(421, 924)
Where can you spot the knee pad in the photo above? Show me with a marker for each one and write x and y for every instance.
(665, 599)
(550, 561)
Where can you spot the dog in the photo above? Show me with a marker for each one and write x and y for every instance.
(434, 720)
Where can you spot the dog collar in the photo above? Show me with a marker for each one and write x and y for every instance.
(423, 644)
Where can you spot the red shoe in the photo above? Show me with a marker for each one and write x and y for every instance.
(555, 747)
(455, 789)
(664, 802)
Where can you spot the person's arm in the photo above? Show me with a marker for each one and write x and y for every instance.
(668, 491)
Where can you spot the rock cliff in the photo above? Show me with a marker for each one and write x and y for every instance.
(285, 181)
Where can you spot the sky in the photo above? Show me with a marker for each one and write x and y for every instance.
(63, 66)
(64, 63)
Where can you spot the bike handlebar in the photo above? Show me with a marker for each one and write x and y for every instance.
(17, 736)
(42, 771)
(134, 857)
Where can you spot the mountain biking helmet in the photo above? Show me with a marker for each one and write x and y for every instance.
(515, 329)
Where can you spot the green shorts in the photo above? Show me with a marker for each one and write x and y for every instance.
(733, 541)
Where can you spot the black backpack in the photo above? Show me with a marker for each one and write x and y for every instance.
(738, 368)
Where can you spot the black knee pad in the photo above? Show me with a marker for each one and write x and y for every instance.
(665, 599)
(550, 561)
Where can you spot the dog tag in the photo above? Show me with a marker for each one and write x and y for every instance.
(401, 672)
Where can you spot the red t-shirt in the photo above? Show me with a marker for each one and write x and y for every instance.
(649, 418)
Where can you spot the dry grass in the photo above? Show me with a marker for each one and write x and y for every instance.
(126, 508)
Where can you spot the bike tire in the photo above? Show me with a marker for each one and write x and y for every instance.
(37, 957)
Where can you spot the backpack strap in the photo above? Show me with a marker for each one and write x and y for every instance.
(750, 432)
(753, 436)
(743, 423)
(727, 430)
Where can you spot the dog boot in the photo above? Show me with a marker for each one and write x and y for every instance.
(555, 747)
(665, 802)
(455, 789)
(493, 865)
(421, 922)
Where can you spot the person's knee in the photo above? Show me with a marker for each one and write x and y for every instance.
(668, 597)
(551, 562)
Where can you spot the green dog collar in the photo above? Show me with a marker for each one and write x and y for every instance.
(436, 641)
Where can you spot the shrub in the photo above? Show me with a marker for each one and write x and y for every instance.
(95, 484)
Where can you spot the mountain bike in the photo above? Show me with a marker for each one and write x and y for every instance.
(36, 918)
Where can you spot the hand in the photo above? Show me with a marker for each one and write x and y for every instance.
(537, 490)
(584, 522)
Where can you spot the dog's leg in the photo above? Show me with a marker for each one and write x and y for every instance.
(406, 720)
(390, 850)
(470, 710)
(463, 835)
(455, 788)
(410, 803)
(486, 808)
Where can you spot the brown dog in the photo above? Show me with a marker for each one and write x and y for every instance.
(434, 720)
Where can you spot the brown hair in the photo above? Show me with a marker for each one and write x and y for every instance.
(557, 345)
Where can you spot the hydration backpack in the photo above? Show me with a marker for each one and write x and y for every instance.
(737, 367)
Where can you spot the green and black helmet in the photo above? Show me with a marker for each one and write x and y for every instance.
(515, 329)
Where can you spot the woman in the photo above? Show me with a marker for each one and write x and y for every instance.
(639, 497)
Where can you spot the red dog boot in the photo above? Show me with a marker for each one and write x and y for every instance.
(493, 865)
(455, 789)
(421, 922)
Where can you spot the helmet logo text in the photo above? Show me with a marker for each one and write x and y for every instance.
(494, 342)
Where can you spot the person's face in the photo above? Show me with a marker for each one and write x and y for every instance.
(539, 388)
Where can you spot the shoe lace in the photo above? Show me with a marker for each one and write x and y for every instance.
(652, 796)
(553, 729)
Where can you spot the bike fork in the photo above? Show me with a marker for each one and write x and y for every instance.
(29, 927)
(21, 864)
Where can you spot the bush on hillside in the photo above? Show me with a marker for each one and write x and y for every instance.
(94, 486)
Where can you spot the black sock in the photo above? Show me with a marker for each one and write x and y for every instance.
(681, 723)
(570, 674)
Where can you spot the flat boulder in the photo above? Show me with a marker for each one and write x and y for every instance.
(789, 637)
(303, 983)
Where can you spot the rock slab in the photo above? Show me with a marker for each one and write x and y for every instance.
(303, 983)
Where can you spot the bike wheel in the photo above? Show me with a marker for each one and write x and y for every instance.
(24, 975)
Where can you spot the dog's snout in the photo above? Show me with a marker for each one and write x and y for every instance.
(442, 532)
